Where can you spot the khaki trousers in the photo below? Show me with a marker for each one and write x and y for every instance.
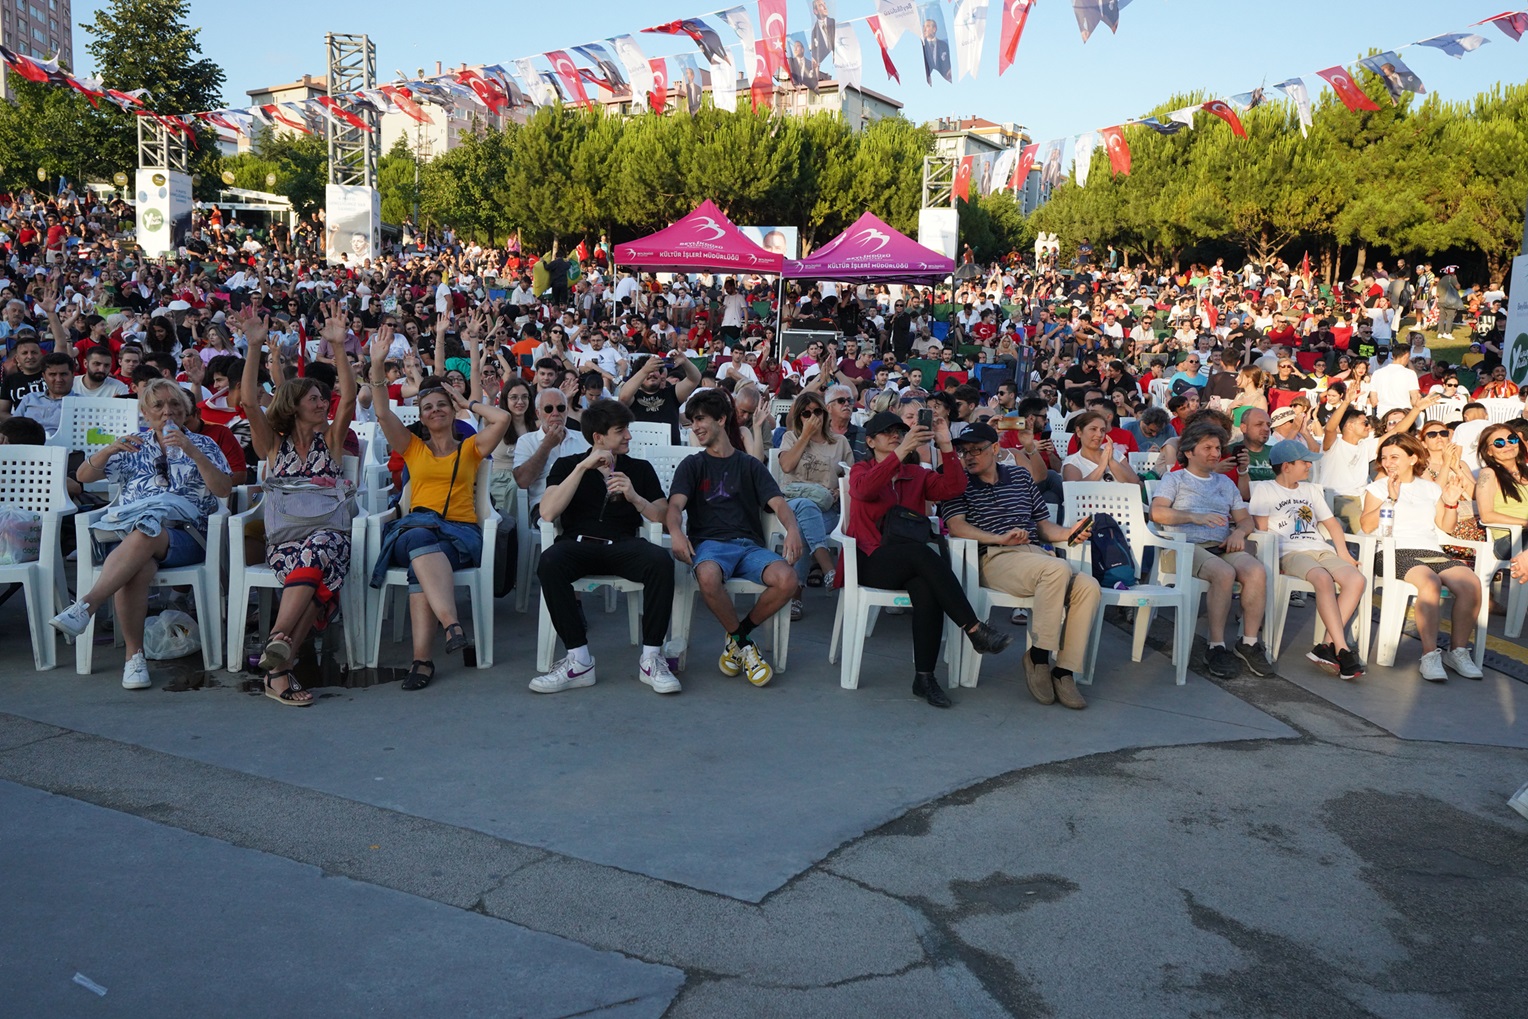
(1060, 594)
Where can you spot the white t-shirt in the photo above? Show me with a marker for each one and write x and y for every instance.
(1294, 514)
(734, 307)
(1467, 438)
(1394, 384)
(1344, 467)
(1415, 512)
(442, 298)
(1087, 466)
(1381, 317)
(110, 388)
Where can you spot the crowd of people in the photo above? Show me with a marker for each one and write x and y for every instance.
(1256, 400)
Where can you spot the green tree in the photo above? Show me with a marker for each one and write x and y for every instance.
(57, 130)
(397, 180)
(148, 44)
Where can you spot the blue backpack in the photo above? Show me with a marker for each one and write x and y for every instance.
(1113, 561)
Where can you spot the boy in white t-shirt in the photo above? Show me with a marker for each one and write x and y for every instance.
(1296, 512)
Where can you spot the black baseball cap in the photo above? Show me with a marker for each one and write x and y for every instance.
(885, 421)
(978, 433)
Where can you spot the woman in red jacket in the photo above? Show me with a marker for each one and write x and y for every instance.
(893, 476)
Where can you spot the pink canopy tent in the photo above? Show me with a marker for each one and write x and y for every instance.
(703, 241)
(872, 252)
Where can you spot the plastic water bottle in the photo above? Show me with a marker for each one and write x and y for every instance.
(1387, 518)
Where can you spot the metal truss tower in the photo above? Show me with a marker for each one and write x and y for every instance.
(353, 153)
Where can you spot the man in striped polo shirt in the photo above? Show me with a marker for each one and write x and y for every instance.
(1001, 509)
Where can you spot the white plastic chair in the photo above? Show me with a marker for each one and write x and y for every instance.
(858, 606)
(666, 460)
(1516, 591)
(1141, 462)
(1123, 503)
(686, 588)
(408, 413)
(1280, 587)
(779, 409)
(1500, 410)
(546, 633)
(477, 579)
(32, 479)
(79, 414)
(1398, 594)
(205, 580)
(967, 556)
(244, 577)
(646, 435)
(1159, 392)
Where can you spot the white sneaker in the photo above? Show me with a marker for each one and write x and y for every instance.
(654, 671)
(72, 621)
(565, 675)
(1519, 801)
(1460, 661)
(1432, 667)
(1019, 617)
(135, 675)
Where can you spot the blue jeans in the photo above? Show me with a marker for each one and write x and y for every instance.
(816, 524)
(418, 541)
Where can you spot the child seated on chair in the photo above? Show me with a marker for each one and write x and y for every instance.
(1292, 507)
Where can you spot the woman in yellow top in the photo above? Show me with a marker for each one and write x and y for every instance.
(1501, 490)
(441, 532)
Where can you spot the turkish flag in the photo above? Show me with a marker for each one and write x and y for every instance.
(874, 22)
(402, 98)
(31, 70)
(1353, 97)
(1119, 149)
(1015, 12)
(1225, 113)
(568, 74)
(658, 97)
(762, 85)
(1513, 25)
(344, 115)
(275, 114)
(1026, 163)
(962, 184)
(772, 24)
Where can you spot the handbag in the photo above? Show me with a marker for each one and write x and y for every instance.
(297, 507)
(901, 524)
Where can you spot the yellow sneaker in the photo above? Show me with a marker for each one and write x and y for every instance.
(755, 667)
(731, 661)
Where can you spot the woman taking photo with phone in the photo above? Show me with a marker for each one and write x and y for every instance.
(889, 496)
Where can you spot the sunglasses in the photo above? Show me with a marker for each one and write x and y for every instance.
(841, 399)
(1503, 443)
(551, 407)
(814, 413)
(1435, 435)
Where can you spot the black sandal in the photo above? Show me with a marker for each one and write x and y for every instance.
(288, 697)
(456, 639)
(417, 680)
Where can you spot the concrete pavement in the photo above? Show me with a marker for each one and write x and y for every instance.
(1245, 848)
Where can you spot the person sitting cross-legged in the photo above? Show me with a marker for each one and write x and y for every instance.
(602, 498)
(725, 491)
(1206, 506)
(1001, 509)
(1293, 508)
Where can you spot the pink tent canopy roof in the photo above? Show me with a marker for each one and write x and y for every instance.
(705, 240)
(870, 252)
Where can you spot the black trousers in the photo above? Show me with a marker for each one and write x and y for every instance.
(633, 559)
(931, 586)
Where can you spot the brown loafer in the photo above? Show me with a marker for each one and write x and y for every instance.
(1039, 678)
(1066, 692)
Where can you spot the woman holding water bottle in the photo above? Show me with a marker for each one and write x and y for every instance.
(1401, 504)
(171, 481)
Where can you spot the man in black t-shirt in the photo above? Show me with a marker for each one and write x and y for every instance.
(650, 396)
(27, 378)
(726, 492)
(602, 498)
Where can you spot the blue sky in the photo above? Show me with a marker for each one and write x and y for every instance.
(1057, 85)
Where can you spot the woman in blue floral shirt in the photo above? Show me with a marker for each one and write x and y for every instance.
(171, 481)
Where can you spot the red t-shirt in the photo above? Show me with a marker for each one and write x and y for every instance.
(984, 331)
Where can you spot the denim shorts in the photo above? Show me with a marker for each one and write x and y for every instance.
(184, 550)
(739, 559)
